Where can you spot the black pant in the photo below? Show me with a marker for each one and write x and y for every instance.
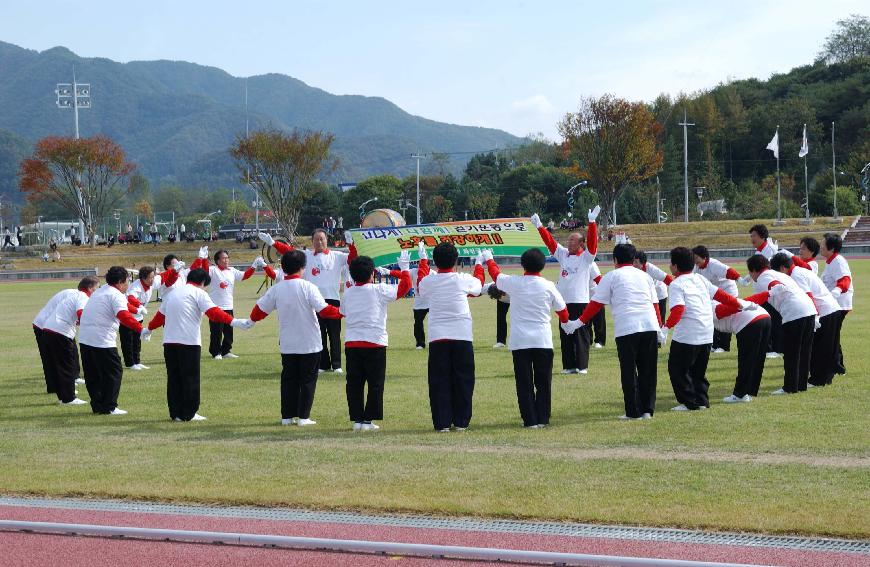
(533, 372)
(840, 365)
(638, 354)
(47, 367)
(182, 380)
(575, 347)
(823, 359)
(776, 338)
(722, 340)
(451, 383)
(131, 345)
(298, 383)
(687, 367)
(598, 329)
(752, 343)
(797, 344)
(365, 365)
(501, 325)
(220, 337)
(64, 360)
(330, 356)
(419, 330)
(663, 310)
(103, 373)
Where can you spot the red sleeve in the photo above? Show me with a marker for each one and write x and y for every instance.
(282, 248)
(723, 311)
(126, 319)
(199, 264)
(668, 279)
(548, 239)
(493, 270)
(597, 279)
(675, 315)
(329, 312)
(592, 238)
(658, 312)
(726, 299)
(810, 294)
(844, 283)
(132, 301)
(773, 283)
(218, 315)
(404, 282)
(591, 311)
(248, 273)
(169, 277)
(132, 308)
(258, 314)
(478, 273)
(422, 270)
(78, 316)
(157, 321)
(731, 274)
(797, 261)
(759, 298)
(352, 253)
(270, 272)
(563, 315)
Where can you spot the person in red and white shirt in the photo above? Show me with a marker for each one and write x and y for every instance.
(838, 279)
(632, 297)
(59, 331)
(761, 240)
(809, 250)
(421, 309)
(725, 278)
(692, 321)
(798, 314)
(766, 246)
(38, 323)
(138, 296)
(598, 325)
(299, 304)
(223, 279)
(451, 352)
(752, 328)
(659, 277)
(180, 315)
(576, 263)
(531, 339)
(324, 268)
(364, 307)
(105, 311)
(173, 275)
(824, 348)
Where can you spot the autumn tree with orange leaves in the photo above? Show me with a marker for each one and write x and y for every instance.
(612, 143)
(87, 176)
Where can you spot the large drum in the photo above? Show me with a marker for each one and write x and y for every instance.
(379, 218)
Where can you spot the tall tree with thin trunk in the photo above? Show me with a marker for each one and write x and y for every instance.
(282, 167)
(87, 176)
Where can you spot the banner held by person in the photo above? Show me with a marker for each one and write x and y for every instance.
(506, 237)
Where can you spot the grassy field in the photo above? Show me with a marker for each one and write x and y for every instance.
(788, 464)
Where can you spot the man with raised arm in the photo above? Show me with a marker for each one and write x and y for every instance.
(575, 262)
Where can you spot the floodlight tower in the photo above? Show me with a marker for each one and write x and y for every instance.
(75, 95)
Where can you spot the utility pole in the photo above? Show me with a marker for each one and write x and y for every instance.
(685, 124)
(418, 156)
(834, 173)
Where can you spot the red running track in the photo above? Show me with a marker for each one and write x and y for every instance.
(50, 550)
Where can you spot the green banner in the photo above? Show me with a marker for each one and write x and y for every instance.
(505, 237)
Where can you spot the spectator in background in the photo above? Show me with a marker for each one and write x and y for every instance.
(7, 239)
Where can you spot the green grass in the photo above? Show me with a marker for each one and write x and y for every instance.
(790, 464)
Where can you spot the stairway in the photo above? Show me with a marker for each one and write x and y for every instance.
(860, 233)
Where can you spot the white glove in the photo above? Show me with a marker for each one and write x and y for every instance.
(266, 237)
(383, 271)
(571, 326)
(478, 260)
(243, 324)
(421, 252)
(348, 237)
(259, 263)
(178, 265)
(145, 335)
(663, 335)
(818, 324)
(487, 255)
(203, 252)
(404, 261)
(836, 292)
(773, 244)
(745, 280)
(536, 220)
(593, 213)
(747, 305)
(142, 310)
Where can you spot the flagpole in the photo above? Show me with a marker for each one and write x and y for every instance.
(834, 173)
(778, 188)
(807, 220)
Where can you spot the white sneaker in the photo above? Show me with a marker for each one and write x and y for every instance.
(73, 402)
(624, 417)
(584, 371)
(498, 345)
(681, 407)
(320, 370)
(134, 367)
(779, 392)
(772, 355)
(747, 398)
(302, 422)
(598, 345)
(536, 426)
(118, 411)
(80, 380)
(176, 419)
(459, 428)
(197, 417)
(338, 370)
(445, 430)
(143, 367)
(419, 348)
(646, 416)
(369, 427)
(732, 399)
(810, 386)
(218, 357)
(357, 426)
(717, 350)
(569, 371)
(231, 355)
(291, 421)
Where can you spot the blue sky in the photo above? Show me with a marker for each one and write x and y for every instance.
(514, 65)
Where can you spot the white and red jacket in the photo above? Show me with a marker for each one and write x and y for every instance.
(181, 313)
(447, 292)
(690, 315)
(661, 279)
(67, 314)
(720, 275)
(139, 294)
(48, 309)
(573, 281)
(223, 282)
(105, 311)
(298, 302)
(533, 299)
(767, 250)
(419, 302)
(838, 275)
(728, 319)
(632, 296)
(364, 307)
(815, 289)
(785, 295)
(323, 269)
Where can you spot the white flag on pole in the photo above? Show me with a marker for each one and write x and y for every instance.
(805, 145)
(774, 145)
